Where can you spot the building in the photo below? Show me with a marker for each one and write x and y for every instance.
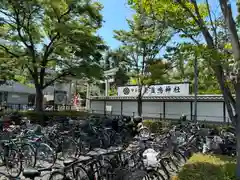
(13, 92)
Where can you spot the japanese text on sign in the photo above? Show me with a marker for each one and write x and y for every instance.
(156, 90)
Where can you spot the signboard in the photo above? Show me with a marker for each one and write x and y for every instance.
(60, 97)
(156, 90)
(109, 108)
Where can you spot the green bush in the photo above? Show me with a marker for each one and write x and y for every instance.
(42, 117)
(208, 167)
(157, 126)
(53, 114)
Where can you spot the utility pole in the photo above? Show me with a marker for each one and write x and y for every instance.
(195, 87)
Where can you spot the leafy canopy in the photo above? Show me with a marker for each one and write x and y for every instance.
(142, 44)
(51, 34)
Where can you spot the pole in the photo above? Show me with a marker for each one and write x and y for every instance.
(88, 97)
(70, 93)
(106, 87)
(195, 87)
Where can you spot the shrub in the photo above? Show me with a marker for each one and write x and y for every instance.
(157, 126)
(208, 167)
(52, 115)
(43, 117)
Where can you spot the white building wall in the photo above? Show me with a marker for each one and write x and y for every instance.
(209, 111)
(97, 106)
(116, 107)
(129, 108)
(173, 110)
(152, 109)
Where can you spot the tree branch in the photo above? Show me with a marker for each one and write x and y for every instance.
(212, 24)
(8, 51)
(56, 78)
(199, 21)
(227, 12)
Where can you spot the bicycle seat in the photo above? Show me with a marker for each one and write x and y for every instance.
(100, 151)
(92, 153)
(84, 158)
(68, 162)
(31, 173)
(115, 149)
(64, 133)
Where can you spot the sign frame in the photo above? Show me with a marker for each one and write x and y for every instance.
(173, 89)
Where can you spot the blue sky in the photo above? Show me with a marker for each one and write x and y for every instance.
(115, 13)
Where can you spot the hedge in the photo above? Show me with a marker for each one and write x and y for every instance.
(43, 117)
(208, 167)
(157, 126)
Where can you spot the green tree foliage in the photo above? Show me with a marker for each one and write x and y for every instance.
(220, 49)
(51, 34)
(118, 59)
(182, 60)
(142, 44)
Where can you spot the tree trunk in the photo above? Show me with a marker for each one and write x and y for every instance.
(139, 105)
(238, 128)
(39, 99)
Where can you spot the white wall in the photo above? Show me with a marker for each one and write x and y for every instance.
(152, 109)
(174, 110)
(116, 107)
(129, 107)
(209, 111)
(97, 106)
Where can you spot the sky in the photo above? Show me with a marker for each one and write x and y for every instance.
(115, 13)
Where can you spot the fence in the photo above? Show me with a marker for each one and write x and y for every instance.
(22, 107)
(214, 111)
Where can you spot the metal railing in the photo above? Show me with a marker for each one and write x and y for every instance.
(25, 107)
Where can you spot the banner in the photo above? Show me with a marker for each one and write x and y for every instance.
(156, 90)
(60, 97)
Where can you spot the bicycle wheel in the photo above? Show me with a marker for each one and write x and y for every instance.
(179, 157)
(69, 148)
(46, 156)
(57, 175)
(169, 164)
(28, 153)
(13, 163)
(105, 138)
(154, 175)
(81, 174)
(136, 175)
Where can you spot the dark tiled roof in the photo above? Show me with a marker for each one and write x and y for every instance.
(162, 98)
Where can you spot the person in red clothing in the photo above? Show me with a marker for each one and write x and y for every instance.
(6, 122)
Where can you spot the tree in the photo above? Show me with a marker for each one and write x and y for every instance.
(118, 59)
(182, 59)
(194, 19)
(142, 44)
(56, 34)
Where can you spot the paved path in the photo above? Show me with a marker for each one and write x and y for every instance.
(44, 175)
